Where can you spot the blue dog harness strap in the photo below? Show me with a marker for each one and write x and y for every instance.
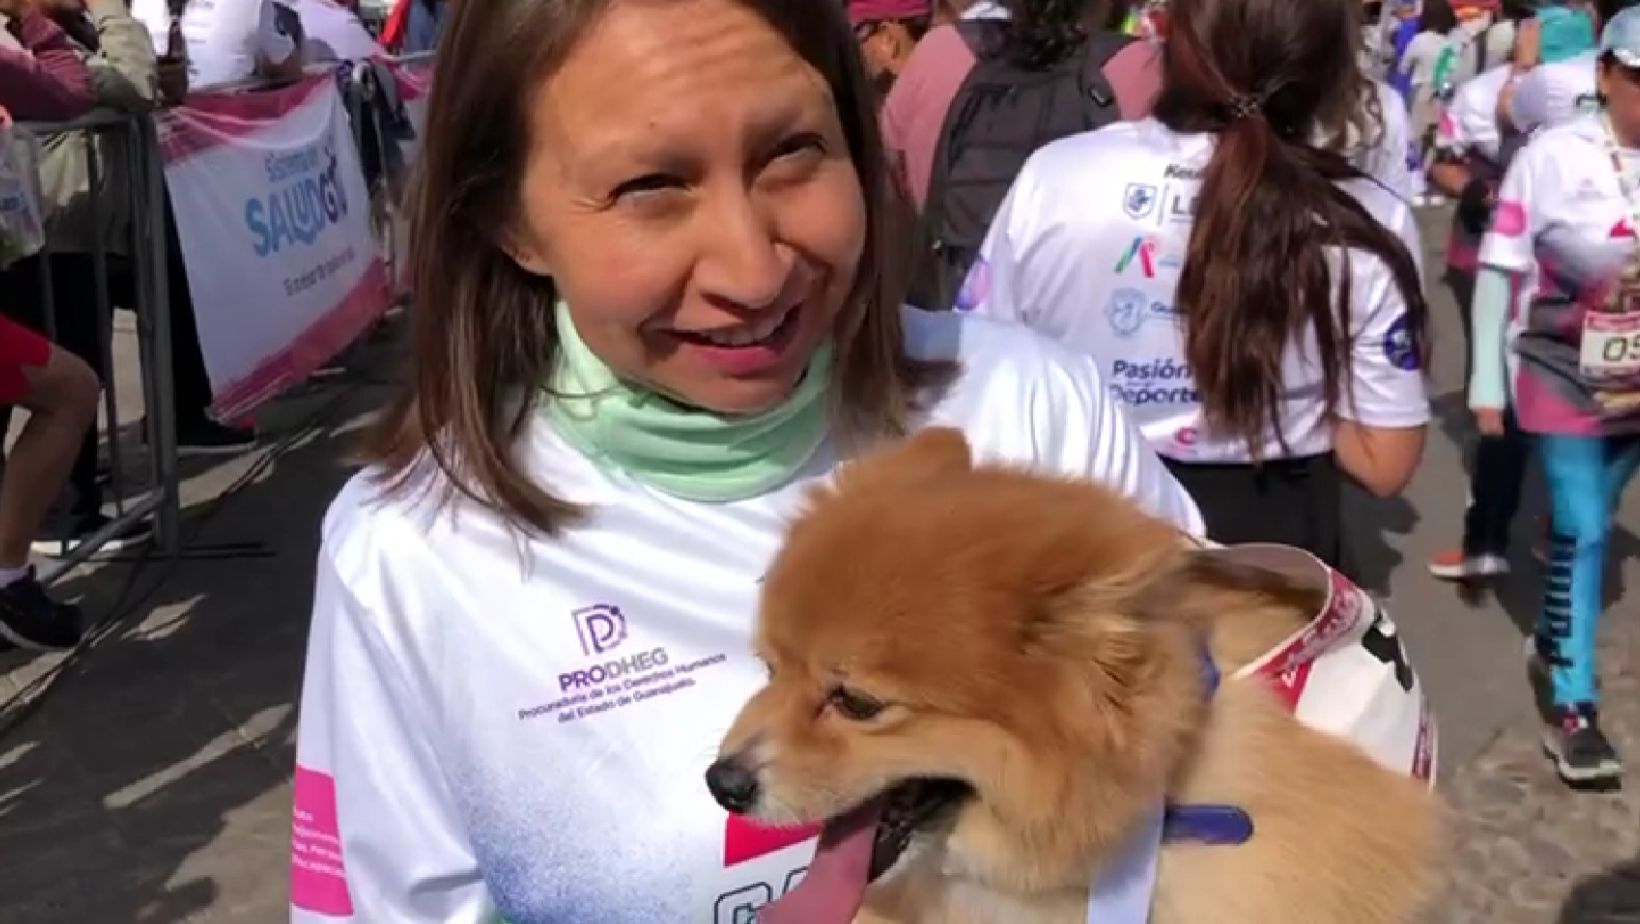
(1218, 825)
(1123, 891)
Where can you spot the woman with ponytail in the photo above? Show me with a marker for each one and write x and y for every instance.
(1249, 294)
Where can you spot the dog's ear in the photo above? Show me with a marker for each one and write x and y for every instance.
(1206, 581)
(929, 454)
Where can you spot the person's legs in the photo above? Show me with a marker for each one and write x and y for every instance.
(60, 392)
(1500, 468)
(197, 434)
(1495, 479)
(1579, 474)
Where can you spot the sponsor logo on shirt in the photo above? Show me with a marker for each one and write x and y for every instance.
(1139, 200)
(1587, 191)
(1129, 309)
(1142, 252)
(1181, 205)
(1509, 218)
(1623, 229)
(1398, 346)
(1156, 381)
(615, 676)
(601, 628)
(1183, 172)
(1145, 254)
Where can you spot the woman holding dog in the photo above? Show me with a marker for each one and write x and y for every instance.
(1251, 296)
(656, 304)
(1564, 231)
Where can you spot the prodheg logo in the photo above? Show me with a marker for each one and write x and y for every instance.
(601, 628)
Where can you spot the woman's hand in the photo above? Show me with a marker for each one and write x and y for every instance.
(1489, 420)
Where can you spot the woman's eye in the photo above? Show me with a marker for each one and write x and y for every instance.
(649, 183)
(801, 144)
(854, 705)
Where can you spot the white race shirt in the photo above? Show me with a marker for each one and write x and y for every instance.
(1552, 94)
(333, 32)
(1470, 123)
(1388, 160)
(1561, 218)
(225, 38)
(1087, 248)
(497, 727)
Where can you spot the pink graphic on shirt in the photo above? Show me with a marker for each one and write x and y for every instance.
(747, 840)
(1448, 128)
(1509, 219)
(318, 880)
(1622, 229)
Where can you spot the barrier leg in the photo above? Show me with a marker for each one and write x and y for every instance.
(157, 321)
(105, 325)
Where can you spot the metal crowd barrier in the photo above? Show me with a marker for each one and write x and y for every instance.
(144, 169)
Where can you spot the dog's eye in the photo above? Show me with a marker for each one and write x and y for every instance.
(853, 705)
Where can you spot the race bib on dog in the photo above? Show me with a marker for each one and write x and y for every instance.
(1345, 672)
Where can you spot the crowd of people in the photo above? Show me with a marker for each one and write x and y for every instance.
(64, 59)
(675, 263)
(671, 271)
(1240, 253)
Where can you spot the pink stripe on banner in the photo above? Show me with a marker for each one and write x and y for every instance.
(209, 119)
(326, 337)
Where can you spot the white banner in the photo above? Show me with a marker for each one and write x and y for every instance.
(274, 220)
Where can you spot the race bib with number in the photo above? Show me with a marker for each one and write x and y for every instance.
(1610, 348)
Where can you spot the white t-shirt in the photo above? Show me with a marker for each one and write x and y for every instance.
(1552, 94)
(1389, 159)
(1562, 218)
(225, 38)
(1418, 61)
(333, 32)
(1470, 123)
(498, 727)
(1087, 248)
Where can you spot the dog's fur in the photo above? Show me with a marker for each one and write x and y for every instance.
(1039, 640)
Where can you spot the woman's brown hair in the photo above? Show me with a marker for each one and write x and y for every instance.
(1271, 217)
(483, 338)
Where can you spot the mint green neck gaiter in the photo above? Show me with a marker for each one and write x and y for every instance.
(683, 451)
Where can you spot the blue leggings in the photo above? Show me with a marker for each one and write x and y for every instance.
(1586, 477)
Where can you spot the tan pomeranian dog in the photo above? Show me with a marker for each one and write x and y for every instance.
(985, 681)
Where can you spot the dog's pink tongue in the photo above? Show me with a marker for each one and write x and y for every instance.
(831, 891)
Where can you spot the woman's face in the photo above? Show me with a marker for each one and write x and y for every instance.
(689, 189)
(1621, 88)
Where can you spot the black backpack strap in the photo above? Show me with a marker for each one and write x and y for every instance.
(1100, 48)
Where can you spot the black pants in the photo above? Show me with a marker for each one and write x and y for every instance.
(1296, 502)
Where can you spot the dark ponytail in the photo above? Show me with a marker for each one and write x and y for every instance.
(1270, 218)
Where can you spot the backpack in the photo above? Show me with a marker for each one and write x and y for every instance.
(999, 116)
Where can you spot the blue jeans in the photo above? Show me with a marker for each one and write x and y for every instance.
(1586, 476)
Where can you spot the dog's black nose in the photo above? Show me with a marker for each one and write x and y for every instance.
(732, 785)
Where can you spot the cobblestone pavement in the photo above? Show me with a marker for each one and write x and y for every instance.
(1526, 850)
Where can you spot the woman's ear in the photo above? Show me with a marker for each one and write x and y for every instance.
(521, 246)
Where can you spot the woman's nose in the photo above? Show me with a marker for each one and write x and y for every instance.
(741, 258)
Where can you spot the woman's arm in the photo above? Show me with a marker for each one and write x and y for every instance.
(1488, 375)
(1378, 437)
(46, 80)
(375, 835)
